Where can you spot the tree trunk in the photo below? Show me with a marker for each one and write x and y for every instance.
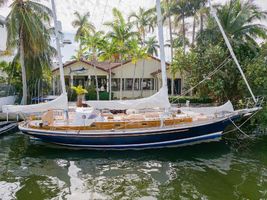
(96, 84)
(23, 69)
(133, 81)
(201, 23)
(183, 17)
(109, 82)
(143, 67)
(121, 82)
(143, 73)
(194, 31)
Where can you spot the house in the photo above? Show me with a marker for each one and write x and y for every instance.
(147, 79)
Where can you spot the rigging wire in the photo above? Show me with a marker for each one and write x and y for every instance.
(94, 9)
(226, 61)
(101, 24)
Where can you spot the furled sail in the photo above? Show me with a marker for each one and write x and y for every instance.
(227, 107)
(60, 102)
(158, 100)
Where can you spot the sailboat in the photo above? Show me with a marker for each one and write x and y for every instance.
(131, 124)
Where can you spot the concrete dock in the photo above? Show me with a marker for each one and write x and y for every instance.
(11, 117)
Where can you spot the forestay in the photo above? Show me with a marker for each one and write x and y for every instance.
(59, 103)
(158, 100)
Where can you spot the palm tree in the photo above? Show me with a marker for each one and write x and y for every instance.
(121, 32)
(198, 10)
(107, 53)
(152, 46)
(83, 25)
(180, 10)
(238, 19)
(93, 43)
(136, 52)
(142, 21)
(27, 31)
(80, 53)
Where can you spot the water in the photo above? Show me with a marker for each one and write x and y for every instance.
(33, 170)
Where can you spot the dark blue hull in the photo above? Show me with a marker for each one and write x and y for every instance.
(149, 138)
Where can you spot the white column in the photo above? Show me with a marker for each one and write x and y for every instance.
(107, 81)
(89, 80)
(53, 85)
(71, 80)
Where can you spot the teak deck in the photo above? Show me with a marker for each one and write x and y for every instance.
(117, 125)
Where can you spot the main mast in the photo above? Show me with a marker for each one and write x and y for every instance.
(61, 71)
(213, 13)
(161, 44)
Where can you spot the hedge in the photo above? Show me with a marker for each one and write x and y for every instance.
(192, 99)
(103, 95)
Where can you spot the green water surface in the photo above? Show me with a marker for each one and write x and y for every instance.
(33, 170)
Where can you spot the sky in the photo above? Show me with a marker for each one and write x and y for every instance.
(100, 12)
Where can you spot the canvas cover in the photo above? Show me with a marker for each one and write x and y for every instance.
(227, 107)
(60, 102)
(158, 100)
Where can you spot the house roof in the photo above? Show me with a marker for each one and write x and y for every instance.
(103, 65)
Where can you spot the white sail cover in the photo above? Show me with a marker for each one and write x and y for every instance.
(158, 100)
(60, 102)
(9, 100)
(227, 107)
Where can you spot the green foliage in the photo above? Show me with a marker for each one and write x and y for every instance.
(79, 90)
(29, 33)
(143, 21)
(192, 99)
(102, 96)
(72, 96)
(83, 25)
(152, 46)
(92, 95)
(13, 72)
(238, 19)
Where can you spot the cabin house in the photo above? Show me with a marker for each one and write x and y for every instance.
(147, 79)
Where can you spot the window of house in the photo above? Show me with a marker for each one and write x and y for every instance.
(148, 84)
(137, 84)
(115, 84)
(129, 83)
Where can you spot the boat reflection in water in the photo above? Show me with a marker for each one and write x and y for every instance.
(39, 172)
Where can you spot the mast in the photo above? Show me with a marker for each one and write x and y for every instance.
(213, 13)
(61, 71)
(161, 44)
